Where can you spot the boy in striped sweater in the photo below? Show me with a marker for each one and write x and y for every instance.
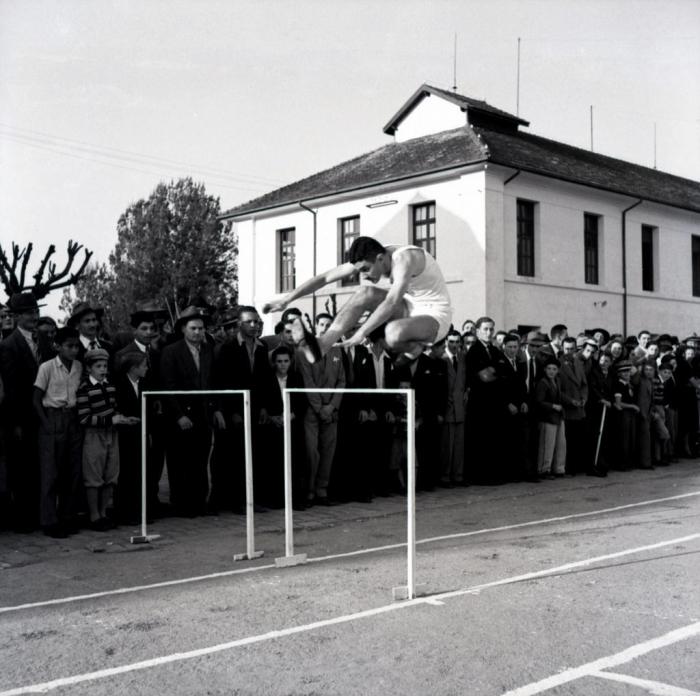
(96, 401)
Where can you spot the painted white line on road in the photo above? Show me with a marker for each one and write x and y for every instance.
(593, 668)
(347, 554)
(651, 687)
(271, 635)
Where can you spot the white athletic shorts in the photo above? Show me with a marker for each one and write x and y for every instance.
(440, 311)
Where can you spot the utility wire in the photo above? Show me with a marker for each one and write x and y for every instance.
(127, 155)
(109, 163)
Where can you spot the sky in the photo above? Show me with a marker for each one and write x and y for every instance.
(101, 100)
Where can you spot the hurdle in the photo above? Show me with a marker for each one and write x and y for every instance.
(145, 537)
(401, 592)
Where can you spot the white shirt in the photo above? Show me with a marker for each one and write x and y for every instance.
(379, 368)
(88, 341)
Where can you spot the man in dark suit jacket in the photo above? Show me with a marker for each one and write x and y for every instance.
(452, 442)
(241, 363)
(86, 320)
(574, 395)
(20, 356)
(187, 364)
(428, 377)
(515, 413)
(552, 349)
(145, 335)
(484, 407)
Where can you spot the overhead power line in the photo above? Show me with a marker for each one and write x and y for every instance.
(72, 144)
(153, 172)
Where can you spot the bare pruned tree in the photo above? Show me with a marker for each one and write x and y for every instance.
(13, 272)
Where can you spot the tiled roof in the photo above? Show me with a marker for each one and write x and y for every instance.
(550, 158)
(431, 153)
(473, 107)
(459, 147)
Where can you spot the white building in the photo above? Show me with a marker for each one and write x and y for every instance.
(528, 230)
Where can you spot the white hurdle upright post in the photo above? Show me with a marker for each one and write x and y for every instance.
(250, 553)
(289, 558)
(144, 537)
(401, 592)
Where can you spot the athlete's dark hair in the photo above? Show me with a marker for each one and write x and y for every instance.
(364, 249)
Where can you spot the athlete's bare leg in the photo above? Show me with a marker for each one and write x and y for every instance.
(366, 298)
(410, 335)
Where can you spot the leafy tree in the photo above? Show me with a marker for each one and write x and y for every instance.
(171, 248)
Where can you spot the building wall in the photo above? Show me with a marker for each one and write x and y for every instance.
(558, 291)
(460, 223)
(432, 115)
(476, 249)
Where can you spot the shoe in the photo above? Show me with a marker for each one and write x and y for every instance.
(597, 472)
(325, 501)
(55, 531)
(299, 507)
(100, 525)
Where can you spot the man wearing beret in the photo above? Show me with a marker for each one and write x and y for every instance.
(20, 356)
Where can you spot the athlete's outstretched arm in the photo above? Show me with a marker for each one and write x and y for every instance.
(345, 270)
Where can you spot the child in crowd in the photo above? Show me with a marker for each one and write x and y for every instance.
(551, 456)
(98, 415)
(129, 385)
(624, 416)
(60, 436)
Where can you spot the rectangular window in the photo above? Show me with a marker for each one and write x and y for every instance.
(590, 246)
(648, 258)
(526, 238)
(696, 265)
(348, 232)
(287, 272)
(424, 227)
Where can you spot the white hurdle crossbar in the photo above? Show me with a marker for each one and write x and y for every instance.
(144, 537)
(407, 591)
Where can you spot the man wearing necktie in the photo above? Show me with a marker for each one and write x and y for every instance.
(452, 441)
(86, 319)
(483, 407)
(19, 362)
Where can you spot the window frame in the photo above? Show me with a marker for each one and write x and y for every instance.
(648, 236)
(286, 281)
(525, 232)
(343, 237)
(429, 223)
(695, 264)
(591, 248)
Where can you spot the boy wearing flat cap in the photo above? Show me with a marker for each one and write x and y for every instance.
(98, 415)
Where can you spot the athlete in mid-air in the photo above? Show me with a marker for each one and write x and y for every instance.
(415, 309)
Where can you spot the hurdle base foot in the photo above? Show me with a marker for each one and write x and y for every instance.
(144, 539)
(248, 556)
(286, 561)
(400, 593)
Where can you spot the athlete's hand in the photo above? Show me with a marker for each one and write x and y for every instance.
(274, 306)
(355, 340)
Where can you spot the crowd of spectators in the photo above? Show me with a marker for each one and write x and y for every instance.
(491, 407)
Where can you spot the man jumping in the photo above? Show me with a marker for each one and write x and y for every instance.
(415, 309)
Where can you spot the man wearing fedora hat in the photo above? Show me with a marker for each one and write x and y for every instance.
(187, 364)
(20, 356)
(86, 319)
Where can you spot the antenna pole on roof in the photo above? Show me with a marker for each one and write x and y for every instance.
(454, 66)
(517, 89)
(591, 127)
(654, 144)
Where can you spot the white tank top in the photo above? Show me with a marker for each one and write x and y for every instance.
(428, 287)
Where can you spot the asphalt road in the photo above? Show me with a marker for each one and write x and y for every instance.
(576, 586)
